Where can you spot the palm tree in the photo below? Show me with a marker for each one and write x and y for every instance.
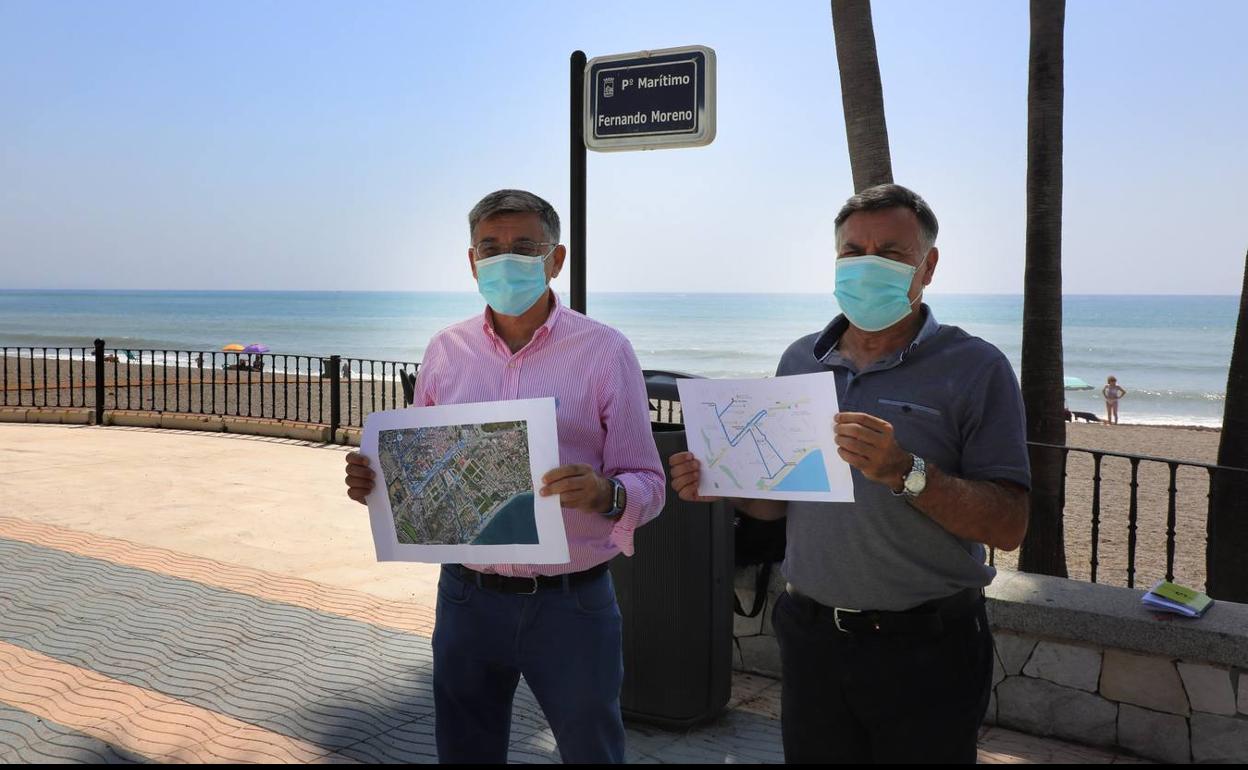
(1228, 505)
(861, 93)
(1044, 548)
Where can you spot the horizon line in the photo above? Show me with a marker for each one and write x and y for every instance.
(673, 292)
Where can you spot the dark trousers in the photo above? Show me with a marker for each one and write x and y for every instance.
(904, 698)
(567, 645)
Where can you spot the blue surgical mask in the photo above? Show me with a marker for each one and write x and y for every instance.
(874, 292)
(512, 283)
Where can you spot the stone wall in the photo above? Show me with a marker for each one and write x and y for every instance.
(1087, 663)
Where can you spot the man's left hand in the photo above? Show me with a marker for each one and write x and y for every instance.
(579, 487)
(867, 443)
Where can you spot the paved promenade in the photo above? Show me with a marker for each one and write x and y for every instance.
(171, 597)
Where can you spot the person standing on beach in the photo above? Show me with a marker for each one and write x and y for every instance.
(1112, 392)
(884, 642)
(557, 625)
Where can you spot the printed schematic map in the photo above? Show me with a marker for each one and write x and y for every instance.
(768, 438)
(459, 484)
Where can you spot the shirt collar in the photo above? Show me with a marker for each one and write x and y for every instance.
(827, 342)
(556, 310)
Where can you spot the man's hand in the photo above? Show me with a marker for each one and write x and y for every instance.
(579, 487)
(685, 475)
(867, 443)
(359, 477)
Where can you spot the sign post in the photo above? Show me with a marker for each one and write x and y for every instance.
(647, 100)
(576, 163)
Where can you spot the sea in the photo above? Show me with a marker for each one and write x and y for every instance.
(1171, 353)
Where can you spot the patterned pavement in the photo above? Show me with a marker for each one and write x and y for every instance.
(114, 652)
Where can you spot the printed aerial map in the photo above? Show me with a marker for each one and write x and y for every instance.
(459, 484)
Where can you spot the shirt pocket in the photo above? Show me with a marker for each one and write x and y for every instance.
(908, 408)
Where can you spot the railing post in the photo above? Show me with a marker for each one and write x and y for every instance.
(99, 382)
(335, 409)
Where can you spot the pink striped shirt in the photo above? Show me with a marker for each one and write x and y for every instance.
(601, 409)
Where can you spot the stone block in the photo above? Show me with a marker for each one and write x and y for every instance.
(51, 416)
(998, 672)
(1153, 734)
(990, 716)
(1208, 688)
(1143, 680)
(9, 414)
(305, 432)
(1043, 708)
(1014, 650)
(1070, 665)
(191, 422)
(1219, 739)
(75, 416)
(132, 419)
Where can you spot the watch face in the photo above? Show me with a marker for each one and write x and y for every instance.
(916, 482)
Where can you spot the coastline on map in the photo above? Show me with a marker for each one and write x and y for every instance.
(463, 484)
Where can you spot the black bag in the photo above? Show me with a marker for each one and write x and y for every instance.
(760, 543)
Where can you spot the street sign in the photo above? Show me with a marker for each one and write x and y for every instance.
(650, 99)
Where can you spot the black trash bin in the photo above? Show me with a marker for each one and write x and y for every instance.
(675, 595)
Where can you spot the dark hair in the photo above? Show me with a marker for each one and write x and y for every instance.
(515, 201)
(892, 196)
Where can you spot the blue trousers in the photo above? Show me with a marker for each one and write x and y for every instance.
(565, 641)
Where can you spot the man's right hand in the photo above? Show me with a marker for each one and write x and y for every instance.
(359, 477)
(685, 475)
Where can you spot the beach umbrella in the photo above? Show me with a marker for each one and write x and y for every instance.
(256, 347)
(233, 348)
(1074, 383)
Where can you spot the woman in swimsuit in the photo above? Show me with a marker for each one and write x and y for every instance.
(1112, 392)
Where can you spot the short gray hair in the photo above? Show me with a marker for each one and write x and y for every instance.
(892, 196)
(511, 202)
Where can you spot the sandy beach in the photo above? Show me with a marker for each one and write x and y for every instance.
(1191, 502)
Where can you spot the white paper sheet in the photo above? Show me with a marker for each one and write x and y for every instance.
(460, 478)
(769, 438)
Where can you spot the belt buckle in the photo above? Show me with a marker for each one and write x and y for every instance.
(534, 591)
(836, 617)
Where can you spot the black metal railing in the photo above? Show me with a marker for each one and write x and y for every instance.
(1168, 485)
(1147, 494)
(326, 390)
(27, 370)
(1144, 491)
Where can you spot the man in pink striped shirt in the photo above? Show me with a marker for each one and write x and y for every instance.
(558, 625)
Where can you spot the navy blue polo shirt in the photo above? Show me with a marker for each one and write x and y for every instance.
(953, 400)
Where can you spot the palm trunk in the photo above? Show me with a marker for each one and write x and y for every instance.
(1044, 548)
(1228, 500)
(862, 96)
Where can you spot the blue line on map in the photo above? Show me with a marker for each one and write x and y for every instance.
(752, 428)
(733, 441)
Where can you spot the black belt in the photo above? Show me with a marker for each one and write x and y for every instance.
(526, 585)
(927, 618)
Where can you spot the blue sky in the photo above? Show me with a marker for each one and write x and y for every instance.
(318, 145)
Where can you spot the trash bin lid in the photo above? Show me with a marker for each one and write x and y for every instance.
(662, 385)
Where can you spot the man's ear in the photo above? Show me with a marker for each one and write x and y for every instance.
(556, 261)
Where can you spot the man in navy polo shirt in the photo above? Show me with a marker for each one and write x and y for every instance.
(884, 643)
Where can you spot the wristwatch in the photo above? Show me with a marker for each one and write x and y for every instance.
(619, 498)
(915, 481)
